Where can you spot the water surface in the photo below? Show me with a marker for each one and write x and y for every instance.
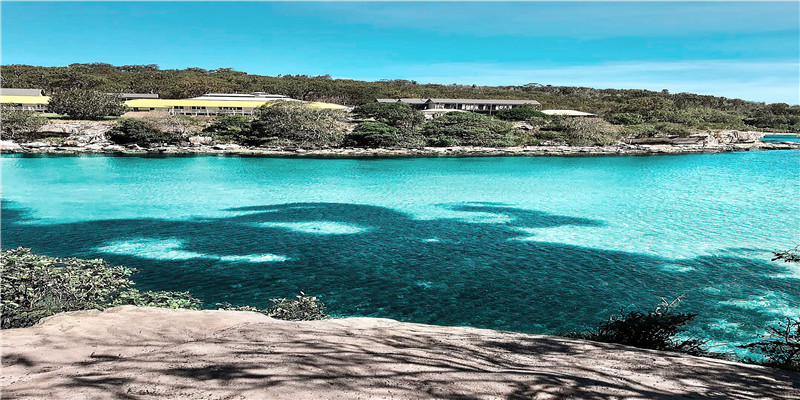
(529, 244)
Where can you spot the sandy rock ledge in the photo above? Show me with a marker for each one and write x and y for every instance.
(148, 353)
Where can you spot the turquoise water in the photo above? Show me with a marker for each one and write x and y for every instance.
(781, 138)
(528, 244)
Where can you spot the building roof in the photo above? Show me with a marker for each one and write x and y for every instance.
(169, 103)
(404, 100)
(241, 96)
(138, 95)
(482, 101)
(10, 99)
(568, 113)
(21, 92)
(460, 101)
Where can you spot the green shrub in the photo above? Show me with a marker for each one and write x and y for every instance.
(298, 124)
(36, 286)
(520, 114)
(398, 115)
(236, 128)
(86, 104)
(625, 119)
(671, 129)
(176, 127)
(780, 346)
(640, 131)
(301, 308)
(468, 129)
(658, 330)
(138, 131)
(18, 124)
(378, 134)
(588, 131)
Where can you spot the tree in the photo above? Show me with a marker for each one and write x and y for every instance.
(588, 131)
(16, 124)
(397, 114)
(379, 134)
(138, 131)
(468, 129)
(231, 127)
(86, 104)
(520, 114)
(298, 124)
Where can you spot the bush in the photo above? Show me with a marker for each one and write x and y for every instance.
(468, 129)
(640, 131)
(299, 124)
(231, 127)
(671, 129)
(520, 114)
(176, 127)
(657, 330)
(625, 119)
(35, 287)
(301, 308)
(398, 115)
(138, 131)
(588, 131)
(17, 124)
(86, 104)
(780, 347)
(379, 134)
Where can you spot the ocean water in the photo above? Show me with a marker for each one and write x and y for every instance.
(540, 245)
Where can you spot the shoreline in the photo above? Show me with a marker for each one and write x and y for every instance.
(458, 151)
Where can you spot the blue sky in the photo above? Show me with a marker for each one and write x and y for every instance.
(740, 49)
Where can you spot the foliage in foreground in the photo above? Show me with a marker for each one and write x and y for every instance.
(86, 104)
(16, 124)
(301, 308)
(36, 286)
(658, 329)
(780, 346)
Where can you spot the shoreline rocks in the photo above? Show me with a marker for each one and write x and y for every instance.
(460, 151)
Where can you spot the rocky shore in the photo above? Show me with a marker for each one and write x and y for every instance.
(151, 353)
(90, 138)
(232, 149)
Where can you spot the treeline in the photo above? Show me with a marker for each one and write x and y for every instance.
(392, 125)
(635, 106)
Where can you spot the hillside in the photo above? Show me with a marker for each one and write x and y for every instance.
(148, 353)
(637, 106)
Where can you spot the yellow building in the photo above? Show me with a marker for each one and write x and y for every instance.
(206, 105)
(24, 99)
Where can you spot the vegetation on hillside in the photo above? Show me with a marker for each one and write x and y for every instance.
(85, 104)
(640, 106)
(17, 125)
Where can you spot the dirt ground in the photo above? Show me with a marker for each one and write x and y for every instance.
(148, 353)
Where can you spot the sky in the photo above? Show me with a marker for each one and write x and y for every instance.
(748, 50)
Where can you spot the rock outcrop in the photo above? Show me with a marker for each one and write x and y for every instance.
(150, 353)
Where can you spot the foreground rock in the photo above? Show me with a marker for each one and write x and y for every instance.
(146, 353)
